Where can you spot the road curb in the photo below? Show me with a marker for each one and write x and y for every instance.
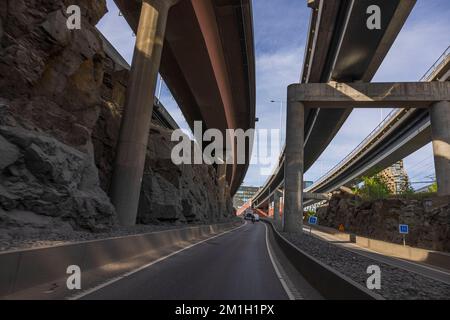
(24, 269)
(330, 283)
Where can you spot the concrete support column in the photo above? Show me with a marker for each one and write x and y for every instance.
(276, 207)
(135, 127)
(293, 167)
(222, 179)
(440, 128)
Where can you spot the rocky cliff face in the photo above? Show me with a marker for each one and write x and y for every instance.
(51, 77)
(169, 193)
(178, 193)
(50, 84)
(43, 176)
(428, 219)
(60, 108)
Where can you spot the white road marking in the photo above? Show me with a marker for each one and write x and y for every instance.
(277, 271)
(114, 280)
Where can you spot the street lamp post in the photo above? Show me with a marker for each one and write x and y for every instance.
(281, 119)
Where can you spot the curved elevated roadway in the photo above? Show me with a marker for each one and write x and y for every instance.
(341, 48)
(208, 64)
(402, 133)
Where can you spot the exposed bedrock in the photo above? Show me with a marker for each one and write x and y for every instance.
(60, 109)
(169, 193)
(428, 219)
(44, 176)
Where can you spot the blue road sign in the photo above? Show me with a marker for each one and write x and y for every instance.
(312, 220)
(403, 228)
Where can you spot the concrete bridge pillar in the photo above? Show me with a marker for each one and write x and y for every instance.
(440, 128)
(223, 185)
(293, 167)
(135, 127)
(276, 207)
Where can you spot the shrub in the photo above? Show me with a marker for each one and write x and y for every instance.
(433, 188)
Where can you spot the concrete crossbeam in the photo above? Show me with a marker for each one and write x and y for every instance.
(434, 95)
(370, 95)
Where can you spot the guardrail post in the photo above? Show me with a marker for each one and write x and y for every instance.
(293, 166)
(136, 120)
(440, 128)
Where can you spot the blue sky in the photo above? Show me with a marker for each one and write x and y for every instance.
(280, 36)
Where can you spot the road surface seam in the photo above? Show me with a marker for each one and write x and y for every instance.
(116, 279)
(292, 294)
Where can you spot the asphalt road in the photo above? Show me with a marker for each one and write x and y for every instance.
(233, 266)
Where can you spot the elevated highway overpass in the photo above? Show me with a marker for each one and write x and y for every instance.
(403, 132)
(434, 96)
(204, 50)
(340, 47)
(400, 134)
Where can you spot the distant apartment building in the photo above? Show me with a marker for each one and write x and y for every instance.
(243, 194)
(396, 178)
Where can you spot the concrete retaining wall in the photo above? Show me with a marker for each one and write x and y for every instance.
(435, 258)
(23, 269)
(327, 281)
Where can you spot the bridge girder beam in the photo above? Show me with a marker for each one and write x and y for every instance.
(370, 95)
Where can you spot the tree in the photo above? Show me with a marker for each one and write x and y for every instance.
(373, 188)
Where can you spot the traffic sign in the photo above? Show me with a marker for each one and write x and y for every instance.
(403, 228)
(312, 220)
